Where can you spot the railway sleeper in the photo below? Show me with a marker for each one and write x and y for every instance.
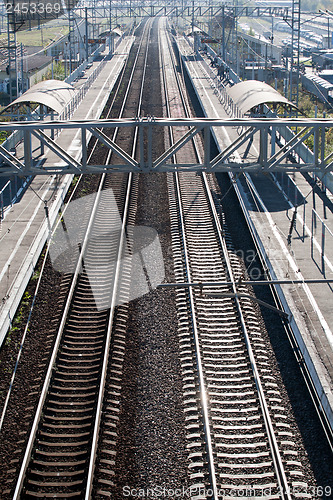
(245, 466)
(63, 426)
(240, 436)
(106, 482)
(37, 494)
(107, 472)
(81, 308)
(245, 456)
(56, 455)
(96, 334)
(67, 370)
(62, 444)
(96, 316)
(83, 338)
(84, 341)
(75, 414)
(106, 461)
(89, 405)
(55, 484)
(75, 380)
(64, 436)
(238, 427)
(70, 411)
(73, 359)
(231, 378)
(72, 397)
(67, 386)
(82, 352)
(66, 473)
(43, 463)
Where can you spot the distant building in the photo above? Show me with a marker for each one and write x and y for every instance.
(264, 47)
(30, 69)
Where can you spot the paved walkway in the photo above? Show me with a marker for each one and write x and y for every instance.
(270, 212)
(23, 231)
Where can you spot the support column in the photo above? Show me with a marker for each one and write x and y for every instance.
(27, 150)
(71, 26)
(11, 40)
(295, 39)
(86, 35)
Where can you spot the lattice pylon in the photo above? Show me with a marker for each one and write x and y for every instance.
(295, 45)
(12, 48)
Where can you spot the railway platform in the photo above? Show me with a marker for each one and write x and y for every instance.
(297, 245)
(24, 228)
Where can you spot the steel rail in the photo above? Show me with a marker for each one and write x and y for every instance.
(46, 385)
(94, 447)
(277, 460)
(202, 284)
(3, 414)
(202, 384)
(278, 464)
(33, 432)
(289, 329)
(11, 385)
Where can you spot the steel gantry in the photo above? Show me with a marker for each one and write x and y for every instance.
(197, 8)
(275, 145)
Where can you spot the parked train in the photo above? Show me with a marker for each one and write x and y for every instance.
(319, 87)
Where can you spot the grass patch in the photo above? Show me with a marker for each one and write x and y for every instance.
(38, 37)
(20, 316)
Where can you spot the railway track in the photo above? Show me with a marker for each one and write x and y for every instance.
(61, 452)
(240, 440)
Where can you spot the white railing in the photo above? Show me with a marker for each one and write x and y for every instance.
(216, 82)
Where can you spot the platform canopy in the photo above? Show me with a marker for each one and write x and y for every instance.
(116, 31)
(252, 93)
(54, 94)
(193, 30)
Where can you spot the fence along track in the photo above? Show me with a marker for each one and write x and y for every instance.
(246, 446)
(62, 447)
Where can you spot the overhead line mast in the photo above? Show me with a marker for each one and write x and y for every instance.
(295, 39)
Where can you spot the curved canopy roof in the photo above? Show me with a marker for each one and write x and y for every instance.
(116, 31)
(54, 94)
(251, 93)
(192, 30)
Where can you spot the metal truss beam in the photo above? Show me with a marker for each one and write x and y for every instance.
(229, 151)
(115, 148)
(58, 150)
(296, 140)
(7, 157)
(196, 9)
(263, 138)
(176, 147)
